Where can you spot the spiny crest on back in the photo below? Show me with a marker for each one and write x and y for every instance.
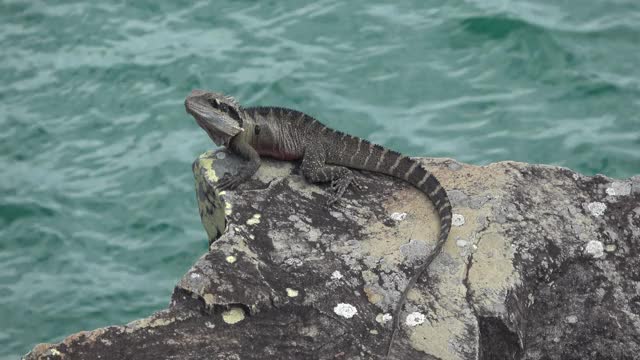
(222, 98)
(232, 101)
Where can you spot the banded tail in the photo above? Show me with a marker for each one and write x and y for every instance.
(361, 154)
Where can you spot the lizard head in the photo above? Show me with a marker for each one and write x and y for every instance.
(219, 115)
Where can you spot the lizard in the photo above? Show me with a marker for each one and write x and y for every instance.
(327, 156)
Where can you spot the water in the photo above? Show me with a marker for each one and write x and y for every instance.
(98, 218)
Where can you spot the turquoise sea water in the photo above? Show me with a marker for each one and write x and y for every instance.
(98, 218)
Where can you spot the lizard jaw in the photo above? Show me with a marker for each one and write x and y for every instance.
(220, 127)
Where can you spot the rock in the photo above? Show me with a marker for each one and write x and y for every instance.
(522, 276)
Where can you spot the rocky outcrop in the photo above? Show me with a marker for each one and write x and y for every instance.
(541, 263)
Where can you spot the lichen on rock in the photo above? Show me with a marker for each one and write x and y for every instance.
(540, 259)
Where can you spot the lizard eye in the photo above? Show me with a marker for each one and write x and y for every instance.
(213, 102)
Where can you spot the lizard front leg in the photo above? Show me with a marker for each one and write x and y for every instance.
(244, 150)
(316, 170)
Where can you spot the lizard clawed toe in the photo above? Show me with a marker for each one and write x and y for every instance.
(355, 183)
(339, 186)
(228, 182)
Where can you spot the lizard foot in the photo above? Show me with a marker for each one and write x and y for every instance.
(229, 182)
(339, 186)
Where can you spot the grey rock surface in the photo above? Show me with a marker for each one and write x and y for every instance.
(542, 263)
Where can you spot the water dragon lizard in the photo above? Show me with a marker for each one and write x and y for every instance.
(326, 155)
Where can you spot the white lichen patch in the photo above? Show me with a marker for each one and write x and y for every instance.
(610, 247)
(255, 219)
(373, 332)
(347, 311)
(55, 352)
(596, 208)
(383, 318)
(231, 259)
(292, 292)
(221, 155)
(295, 262)
(571, 319)
(227, 208)
(233, 315)
(462, 243)
(336, 275)
(195, 275)
(415, 319)
(457, 220)
(398, 216)
(209, 325)
(594, 248)
(618, 188)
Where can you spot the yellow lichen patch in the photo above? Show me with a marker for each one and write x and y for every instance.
(292, 292)
(212, 207)
(231, 259)
(371, 279)
(417, 297)
(206, 162)
(372, 295)
(275, 170)
(208, 299)
(383, 318)
(474, 179)
(149, 322)
(161, 322)
(234, 315)
(255, 219)
(492, 273)
(421, 224)
(435, 338)
(85, 337)
(469, 230)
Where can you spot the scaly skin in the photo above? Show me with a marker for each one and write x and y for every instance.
(326, 155)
